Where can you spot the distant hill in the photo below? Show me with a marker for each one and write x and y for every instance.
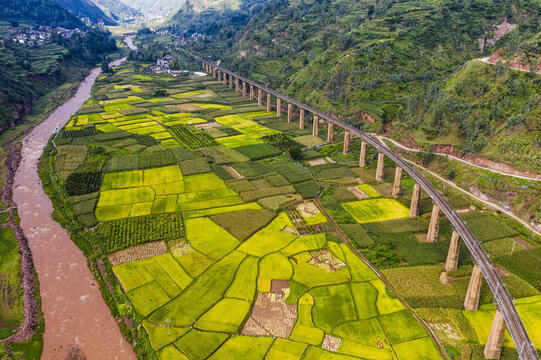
(86, 9)
(116, 9)
(42, 12)
(155, 7)
(225, 18)
(391, 59)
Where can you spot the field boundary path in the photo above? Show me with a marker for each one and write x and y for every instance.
(504, 301)
(77, 320)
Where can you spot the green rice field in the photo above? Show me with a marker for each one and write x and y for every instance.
(208, 252)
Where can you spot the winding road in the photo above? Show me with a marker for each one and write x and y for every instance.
(504, 301)
(396, 143)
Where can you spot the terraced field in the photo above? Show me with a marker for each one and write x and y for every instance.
(246, 262)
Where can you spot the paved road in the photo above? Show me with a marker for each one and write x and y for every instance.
(522, 341)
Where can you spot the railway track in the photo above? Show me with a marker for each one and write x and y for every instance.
(525, 348)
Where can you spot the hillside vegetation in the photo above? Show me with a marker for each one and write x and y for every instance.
(392, 60)
(27, 73)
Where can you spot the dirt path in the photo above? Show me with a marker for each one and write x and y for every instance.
(77, 320)
(486, 202)
(510, 171)
(485, 60)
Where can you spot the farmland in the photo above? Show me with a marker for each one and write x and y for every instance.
(217, 244)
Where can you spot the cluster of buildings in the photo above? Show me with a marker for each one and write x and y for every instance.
(162, 65)
(40, 35)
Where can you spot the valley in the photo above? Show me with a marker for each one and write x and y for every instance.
(270, 179)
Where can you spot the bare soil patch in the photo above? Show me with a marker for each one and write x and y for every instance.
(324, 259)
(233, 172)
(308, 209)
(139, 252)
(359, 194)
(271, 316)
(331, 343)
(316, 162)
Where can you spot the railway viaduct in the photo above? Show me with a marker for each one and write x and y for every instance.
(506, 313)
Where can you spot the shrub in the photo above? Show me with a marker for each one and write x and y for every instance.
(237, 225)
(280, 140)
(382, 256)
(295, 152)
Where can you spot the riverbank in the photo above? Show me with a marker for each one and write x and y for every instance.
(76, 317)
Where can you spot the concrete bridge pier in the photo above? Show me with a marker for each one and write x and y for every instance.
(362, 156)
(415, 199)
(259, 97)
(433, 228)
(330, 132)
(474, 289)
(451, 264)
(289, 112)
(381, 165)
(347, 137)
(230, 81)
(225, 79)
(315, 126)
(252, 92)
(214, 72)
(397, 192)
(278, 107)
(493, 347)
(219, 74)
(244, 88)
(301, 120)
(269, 103)
(237, 87)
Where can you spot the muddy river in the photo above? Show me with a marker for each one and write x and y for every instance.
(77, 320)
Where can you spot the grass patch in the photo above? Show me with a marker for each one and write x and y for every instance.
(376, 210)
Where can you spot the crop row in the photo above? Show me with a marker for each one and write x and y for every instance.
(123, 233)
(192, 137)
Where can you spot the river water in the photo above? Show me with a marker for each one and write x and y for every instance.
(77, 320)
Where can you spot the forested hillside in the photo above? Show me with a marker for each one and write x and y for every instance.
(154, 7)
(86, 9)
(27, 73)
(116, 9)
(393, 60)
(42, 12)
